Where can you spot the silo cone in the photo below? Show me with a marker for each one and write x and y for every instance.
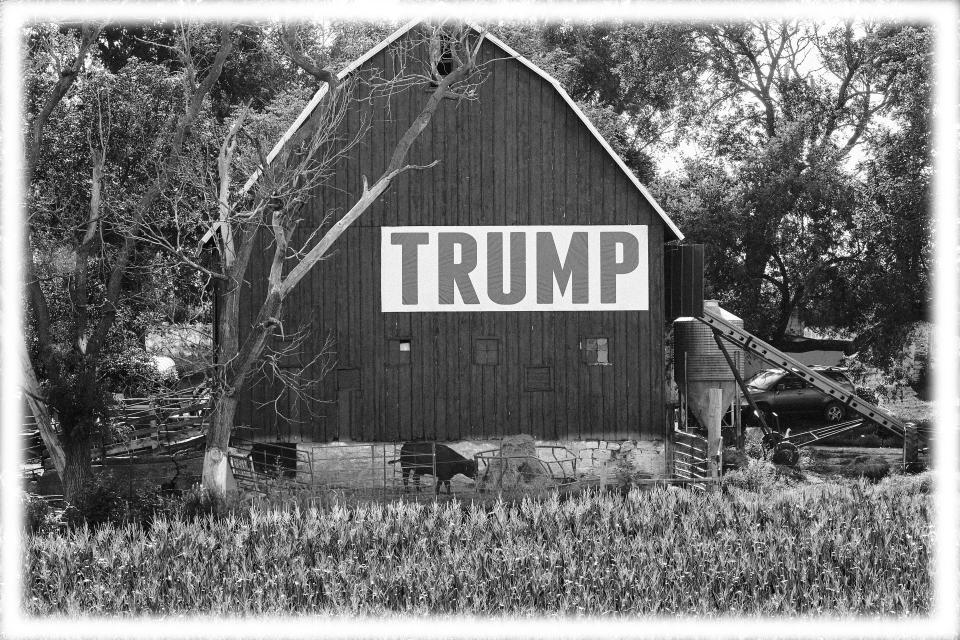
(699, 364)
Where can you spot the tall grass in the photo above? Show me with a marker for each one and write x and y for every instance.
(854, 548)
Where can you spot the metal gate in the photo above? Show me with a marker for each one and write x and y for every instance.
(689, 456)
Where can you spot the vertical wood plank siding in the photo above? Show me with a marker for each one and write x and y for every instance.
(517, 155)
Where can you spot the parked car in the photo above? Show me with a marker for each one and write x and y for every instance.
(785, 393)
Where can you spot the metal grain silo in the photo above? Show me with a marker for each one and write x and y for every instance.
(699, 364)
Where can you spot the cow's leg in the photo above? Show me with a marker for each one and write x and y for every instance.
(405, 473)
(448, 488)
(416, 480)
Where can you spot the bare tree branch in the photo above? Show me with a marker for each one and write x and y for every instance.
(324, 75)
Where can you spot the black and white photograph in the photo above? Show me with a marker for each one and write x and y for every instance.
(548, 316)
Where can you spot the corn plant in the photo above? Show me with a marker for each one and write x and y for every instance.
(847, 548)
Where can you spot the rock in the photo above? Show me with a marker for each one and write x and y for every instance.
(621, 468)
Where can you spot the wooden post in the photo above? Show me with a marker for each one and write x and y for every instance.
(738, 417)
(911, 449)
(714, 415)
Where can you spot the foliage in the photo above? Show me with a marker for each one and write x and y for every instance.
(101, 502)
(892, 292)
(134, 373)
(885, 373)
(797, 151)
(38, 516)
(105, 142)
(199, 502)
(848, 548)
(758, 476)
(631, 79)
(96, 504)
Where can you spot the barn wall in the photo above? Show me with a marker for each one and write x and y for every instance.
(515, 156)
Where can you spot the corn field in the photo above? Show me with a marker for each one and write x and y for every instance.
(852, 548)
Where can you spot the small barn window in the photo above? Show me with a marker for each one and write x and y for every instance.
(595, 351)
(348, 379)
(399, 350)
(538, 379)
(486, 351)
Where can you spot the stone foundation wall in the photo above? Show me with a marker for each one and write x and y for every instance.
(365, 465)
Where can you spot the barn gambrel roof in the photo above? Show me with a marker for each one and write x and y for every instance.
(356, 64)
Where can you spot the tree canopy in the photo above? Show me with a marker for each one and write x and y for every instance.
(798, 152)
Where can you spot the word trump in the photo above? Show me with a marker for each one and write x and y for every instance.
(519, 268)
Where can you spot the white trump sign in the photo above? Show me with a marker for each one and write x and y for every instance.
(514, 268)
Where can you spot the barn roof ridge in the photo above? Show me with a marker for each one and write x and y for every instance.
(353, 66)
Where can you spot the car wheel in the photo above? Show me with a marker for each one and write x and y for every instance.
(834, 412)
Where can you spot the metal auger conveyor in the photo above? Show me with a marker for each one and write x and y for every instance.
(866, 411)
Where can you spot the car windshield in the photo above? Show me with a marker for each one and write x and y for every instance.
(764, 380)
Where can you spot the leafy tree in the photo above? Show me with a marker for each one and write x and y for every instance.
(890, 289)
(796, 100)
(102, 148)
(124, 132)
(786, 152)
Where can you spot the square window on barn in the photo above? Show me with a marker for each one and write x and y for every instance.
(399, 350)
(595, 351)
(486, 351)
(538, 379)
(348, 379)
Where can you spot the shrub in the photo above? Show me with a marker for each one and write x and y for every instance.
(869, 394)
(753, 443)
(143, 507)
(38, 516)
(98, 503)
(197, 503)
(102, 502)
(872, 471)
(760, 476)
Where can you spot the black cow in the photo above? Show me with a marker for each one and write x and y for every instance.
(418, 458)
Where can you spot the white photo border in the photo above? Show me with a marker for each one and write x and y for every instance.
(943, 620)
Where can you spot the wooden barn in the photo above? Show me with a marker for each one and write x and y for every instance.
(573, 351)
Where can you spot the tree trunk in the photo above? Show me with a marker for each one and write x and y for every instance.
(77, 472)
(754, 267)
(217, 477)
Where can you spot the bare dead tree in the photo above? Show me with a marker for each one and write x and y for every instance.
(273, 204)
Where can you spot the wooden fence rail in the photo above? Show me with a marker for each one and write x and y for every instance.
(139, 425)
